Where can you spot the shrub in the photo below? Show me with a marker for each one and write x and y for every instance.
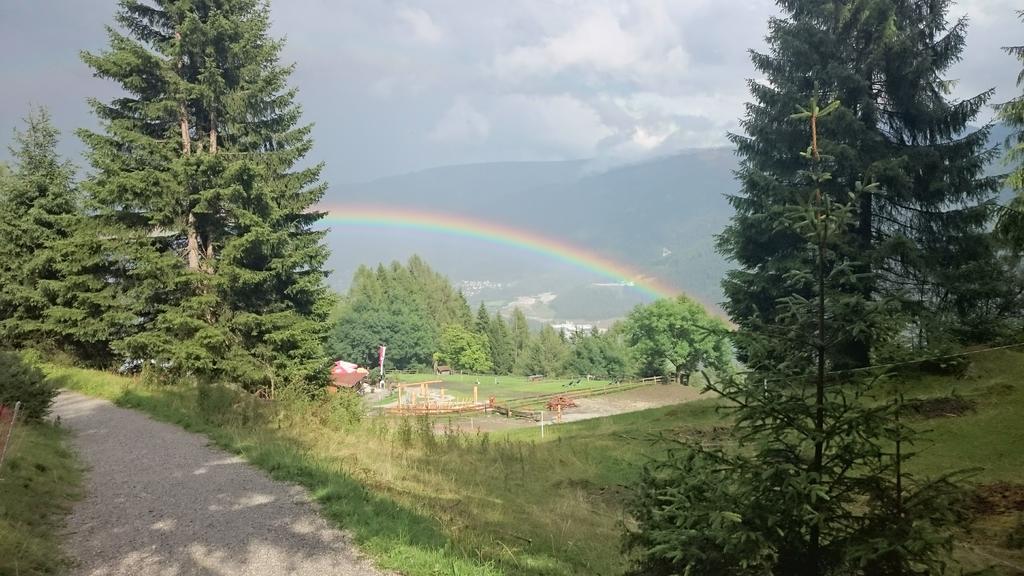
(22, 382)
(341, 409)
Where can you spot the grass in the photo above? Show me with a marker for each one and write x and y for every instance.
(38, 482)
(507, 503)
(416, 502)
(501, 387)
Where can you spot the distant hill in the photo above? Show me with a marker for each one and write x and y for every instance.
(659, 216)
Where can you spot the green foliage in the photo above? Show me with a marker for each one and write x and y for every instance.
(545, 354)
(501, 345)
(483, 320)
(403, 307)
(689, 507)
(23, 382)
(816, 482)
(1012, 114)
(600, 355)
(923, 233)
(464, 349)
(1011, 221)
(42, 292)
(676, 337)
(39, 482)
(199, 186)
(519, 329)
(340, 410)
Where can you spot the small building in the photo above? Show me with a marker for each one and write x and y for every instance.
(347, 375)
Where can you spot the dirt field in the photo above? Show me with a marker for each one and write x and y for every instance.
(594, 407)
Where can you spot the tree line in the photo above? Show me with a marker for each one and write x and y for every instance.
(425, 322)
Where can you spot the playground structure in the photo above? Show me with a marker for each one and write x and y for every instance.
(419, 398)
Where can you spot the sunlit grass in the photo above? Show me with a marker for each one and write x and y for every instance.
(38, 482)
(510, 503)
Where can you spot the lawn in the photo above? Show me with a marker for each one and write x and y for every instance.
(39, 480)
(506, 503)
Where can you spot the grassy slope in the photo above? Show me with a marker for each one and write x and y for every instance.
(989, 440)
(38, 482)
(508, 504)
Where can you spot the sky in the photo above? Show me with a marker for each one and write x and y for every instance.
(398, 86)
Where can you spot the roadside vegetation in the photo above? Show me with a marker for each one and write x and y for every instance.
(39, 476)
(39, 482)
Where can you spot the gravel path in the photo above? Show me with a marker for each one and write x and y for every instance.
(160, 502)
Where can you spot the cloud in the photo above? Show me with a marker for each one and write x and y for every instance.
(561, 125)
(631, 41)
(420, 25)
(403, 85)
(460, 123)
(597, 41)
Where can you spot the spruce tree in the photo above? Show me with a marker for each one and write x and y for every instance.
(546, 354)
(39, 208)
(1011, 222)
(520, 330)
(923, 232)
(814, 483)
(502, 354)
(482, 325)
(198, 180)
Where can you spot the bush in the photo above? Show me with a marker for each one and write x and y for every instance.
(340, 410)
(23, 382)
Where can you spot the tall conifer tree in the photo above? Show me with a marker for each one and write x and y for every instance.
(502, 353)
(39, 208)
(200, 184)
(1011, 225)
(814, 481)
(922, 232)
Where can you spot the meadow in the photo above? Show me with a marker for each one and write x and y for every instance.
(423, 502)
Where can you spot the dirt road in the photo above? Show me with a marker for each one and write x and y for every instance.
(160, 502)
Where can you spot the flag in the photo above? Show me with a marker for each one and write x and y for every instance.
(381, 352)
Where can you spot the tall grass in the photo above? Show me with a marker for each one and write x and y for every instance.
(39, 480)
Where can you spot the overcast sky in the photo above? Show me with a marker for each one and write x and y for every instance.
(399, 86)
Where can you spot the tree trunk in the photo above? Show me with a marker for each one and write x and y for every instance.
(814, 562)
(208, 240)
(193, 242)
(192, 255)
(213, 132)
(209, 254)
(186, 138)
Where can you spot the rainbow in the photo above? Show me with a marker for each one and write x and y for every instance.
(478, 229)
